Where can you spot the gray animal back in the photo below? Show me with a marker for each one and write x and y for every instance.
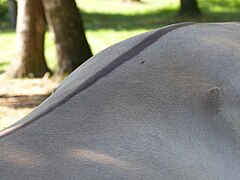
(138, 110)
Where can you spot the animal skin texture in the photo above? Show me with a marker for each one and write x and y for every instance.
(161, 105)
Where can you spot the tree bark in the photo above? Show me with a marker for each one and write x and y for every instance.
(66, 23)
(189, 7)
(29, 60)
(12, 8)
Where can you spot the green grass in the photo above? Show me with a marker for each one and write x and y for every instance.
(110, 21)
(7, 45)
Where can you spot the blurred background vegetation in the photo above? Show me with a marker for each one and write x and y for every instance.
(110, 21)
(106, 22)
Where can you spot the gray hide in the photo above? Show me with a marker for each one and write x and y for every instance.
(161, 105)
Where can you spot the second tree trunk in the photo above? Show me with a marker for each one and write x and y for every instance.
(189, 7)
(65, 21)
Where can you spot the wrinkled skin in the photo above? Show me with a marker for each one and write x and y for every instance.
(168, 108)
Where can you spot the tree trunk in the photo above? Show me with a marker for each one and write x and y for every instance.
(29, 60)
(189, 7)
(12, 8)
(66, 23)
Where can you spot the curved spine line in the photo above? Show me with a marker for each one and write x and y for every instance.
(134, 51)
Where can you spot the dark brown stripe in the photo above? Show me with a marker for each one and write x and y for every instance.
(102, 73)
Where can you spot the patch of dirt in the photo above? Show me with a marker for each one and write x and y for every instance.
(18, 97)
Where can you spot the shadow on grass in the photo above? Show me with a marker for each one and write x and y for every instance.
(4, 19)
(2, 71)
(151, 20)
(22, 101)
(233, 5)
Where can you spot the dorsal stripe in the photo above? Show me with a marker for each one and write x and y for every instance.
(134, 51)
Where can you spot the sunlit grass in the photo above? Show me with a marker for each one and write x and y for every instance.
(119, 6)
(100, 39)
(7, 46)
(50, 51)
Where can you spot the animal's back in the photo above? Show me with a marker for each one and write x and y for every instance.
(161, 105)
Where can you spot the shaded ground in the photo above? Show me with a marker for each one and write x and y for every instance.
(18, 97)
(22, 101)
